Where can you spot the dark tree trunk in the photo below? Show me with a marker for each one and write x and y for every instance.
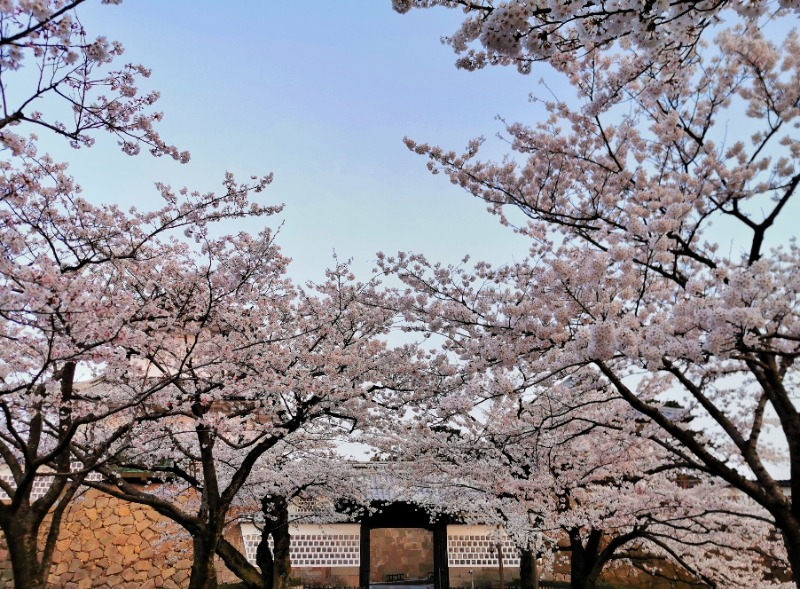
(24, 524)
(23, 548)
(791, 539)
(281, 540)
(275, 565)
(22, 527)
(22, 519)
(264, 560)
(528, 575)
(240, 566)
(585, 565)
(204, 571)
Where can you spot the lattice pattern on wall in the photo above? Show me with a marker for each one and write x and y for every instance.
(309, 550)
(92, 476)
(476, 546)
(251, 537)
(312, 546)
(304, 507)
(42, 483)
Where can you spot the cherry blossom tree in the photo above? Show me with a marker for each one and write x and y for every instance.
(82, 293)
(656, 268)
(315, 479)
(524, 32)
(187, 339)
(565, 469)
(82, 285)
(264, 366)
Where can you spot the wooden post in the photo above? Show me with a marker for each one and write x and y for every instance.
(363, 568)
(441, 572)
(500, 565)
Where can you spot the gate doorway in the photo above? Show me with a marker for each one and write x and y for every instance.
(409, 550)
(401, 556)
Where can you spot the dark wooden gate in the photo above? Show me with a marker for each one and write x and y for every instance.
(405, 515)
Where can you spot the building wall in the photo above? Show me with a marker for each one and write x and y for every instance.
(473, 556)
(321, 554)
(111, 544)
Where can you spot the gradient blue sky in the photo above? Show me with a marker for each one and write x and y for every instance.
(320, 93)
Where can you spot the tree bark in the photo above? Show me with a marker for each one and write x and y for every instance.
(282, 541)
(275, 564)
(528, 575)
(23, 548)
(240, 566)
(23, 519)
(584, 563)
(22, 527)
(24, 522)
(204, 571)
(265, 561)
(791, 539)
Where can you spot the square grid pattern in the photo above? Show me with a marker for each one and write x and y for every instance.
(40, 486)
(479, 551)
(312, 550)
(42, 483)
(325, 550)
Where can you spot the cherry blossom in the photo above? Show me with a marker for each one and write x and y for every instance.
(566, 469)
(73, 77)
(85, 293)
(256, 367)
(82, 315)
(522, 32)
(629, 284)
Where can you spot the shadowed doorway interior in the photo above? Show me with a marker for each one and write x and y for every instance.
(401, 555)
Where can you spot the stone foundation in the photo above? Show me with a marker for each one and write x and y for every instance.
(107, 543)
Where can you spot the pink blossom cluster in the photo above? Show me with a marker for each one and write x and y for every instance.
(73, 70)
(657, 278)
(522, 32)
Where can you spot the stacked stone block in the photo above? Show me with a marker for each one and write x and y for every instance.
(400, 550)
(106, 543)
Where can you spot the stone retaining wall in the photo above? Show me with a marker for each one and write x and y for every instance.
(108, 543)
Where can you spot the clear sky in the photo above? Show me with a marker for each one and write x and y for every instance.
(321, 94)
